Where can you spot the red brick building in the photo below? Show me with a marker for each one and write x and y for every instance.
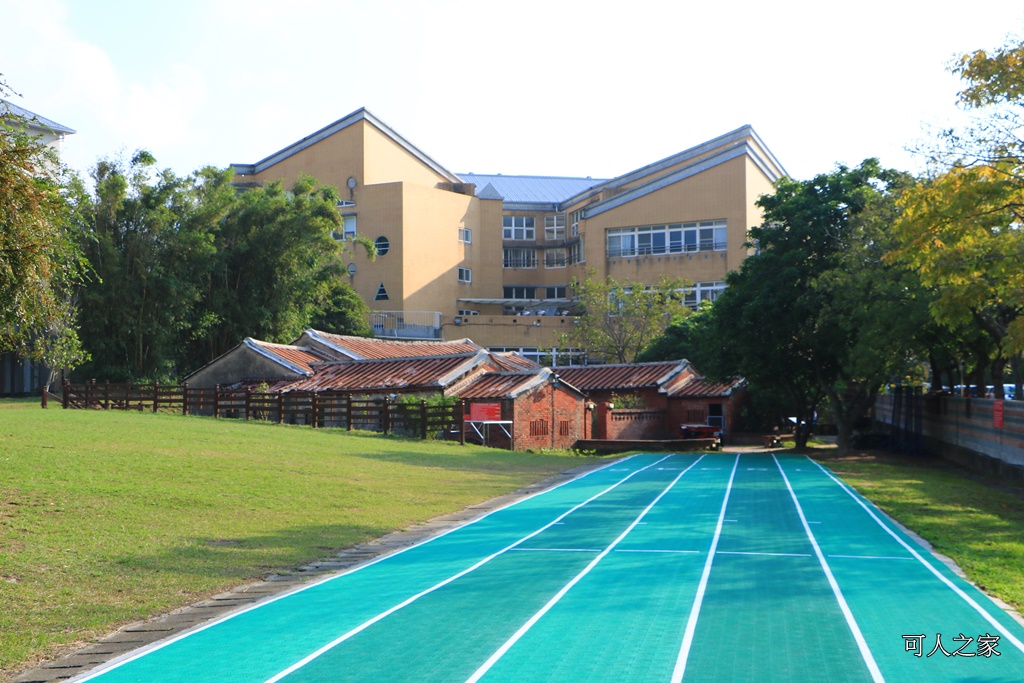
(524, 410)
(637, 401)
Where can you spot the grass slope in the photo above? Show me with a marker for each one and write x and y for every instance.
(111, 517)
(976, 522)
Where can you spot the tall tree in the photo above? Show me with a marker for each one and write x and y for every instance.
(816, 313)
(618, 319)
(40, 258)
(962, 229)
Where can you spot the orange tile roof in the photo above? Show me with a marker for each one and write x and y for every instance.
(366, 348)
(498, 385)
(392, 374)
(620, 376)
(295, 355)
(698, 387)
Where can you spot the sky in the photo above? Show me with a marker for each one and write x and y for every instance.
(534, 87)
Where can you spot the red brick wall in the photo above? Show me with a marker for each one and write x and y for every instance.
(549, 417)
(632, 424)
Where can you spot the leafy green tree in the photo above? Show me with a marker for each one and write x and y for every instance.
(617, 320)
(962, 228)
(689, 337)
(40, 258)
(816, 313)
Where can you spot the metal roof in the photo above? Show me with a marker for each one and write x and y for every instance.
(362, 348)
(34, 120)
(388, 374)
(528, 189)
(621, 376)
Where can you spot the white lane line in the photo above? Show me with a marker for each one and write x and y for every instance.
(862, 644)
(141, 652)
(408, 601)
(956, 589)
(557, 550)
(691, 622)
(685, 552)
(871, 557)
(500, 652)
(738, 552)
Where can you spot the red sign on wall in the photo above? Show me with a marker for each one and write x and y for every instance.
(997, 413)
(485, 412)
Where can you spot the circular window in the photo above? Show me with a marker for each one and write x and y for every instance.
(382, 245)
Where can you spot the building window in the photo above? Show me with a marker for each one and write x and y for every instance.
(382, 244)
(466, 311)
(520, 292)
(554, 228)
(518, 228)
(563, 428)
(677, 238)
(577, 253)
(382, 294)
(466, 235)
(554, 258)
(577, 216)
(557, 292)
(465, 275)
(350, 226)
(520, 258)
(538, 427)
(702, 291)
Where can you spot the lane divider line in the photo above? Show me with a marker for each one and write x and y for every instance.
(142, 652)
(691, 622)
(740, 552)
(955, 588)
(862, 644)
(507, 645)
(441, 584)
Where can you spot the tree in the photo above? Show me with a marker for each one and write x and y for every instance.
(40, 260)
(962, 229)
(617, 320)
(816, 313)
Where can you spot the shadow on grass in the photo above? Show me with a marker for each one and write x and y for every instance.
(252, 557)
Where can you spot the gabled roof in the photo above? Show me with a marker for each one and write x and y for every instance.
(341, 124)
(34, 120)
(513, 362)
(390, 374)
(296, 358)
(510, 384)
(362, 348)
(624, 376)
(528, 189)
(699, 387)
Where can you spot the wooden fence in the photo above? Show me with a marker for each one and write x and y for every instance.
(314, 408)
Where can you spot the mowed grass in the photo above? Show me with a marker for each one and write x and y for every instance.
(976, 522)
(112, 517)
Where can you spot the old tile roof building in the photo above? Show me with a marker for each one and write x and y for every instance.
(491, 257)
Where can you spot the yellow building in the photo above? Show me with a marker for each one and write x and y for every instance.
(491, 257)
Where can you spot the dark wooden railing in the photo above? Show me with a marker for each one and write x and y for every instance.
(314, 408)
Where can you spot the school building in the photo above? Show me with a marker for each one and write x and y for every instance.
(491, 257)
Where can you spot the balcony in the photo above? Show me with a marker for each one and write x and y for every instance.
(411, 325)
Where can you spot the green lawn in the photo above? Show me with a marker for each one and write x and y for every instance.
(110, 517)
(972, 520)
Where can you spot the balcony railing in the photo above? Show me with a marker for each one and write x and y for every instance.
(406, 324)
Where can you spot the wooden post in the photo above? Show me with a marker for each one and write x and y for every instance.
(64, 395)
(44, 397)
(423, 419)
(184, 398)
(248, 402)
(106, 394)
(315, 407)
(216, 401)
(348, 412)
(280, 407)
(462, 424)
(156, 394)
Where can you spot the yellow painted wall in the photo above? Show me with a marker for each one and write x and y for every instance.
(386, 161)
